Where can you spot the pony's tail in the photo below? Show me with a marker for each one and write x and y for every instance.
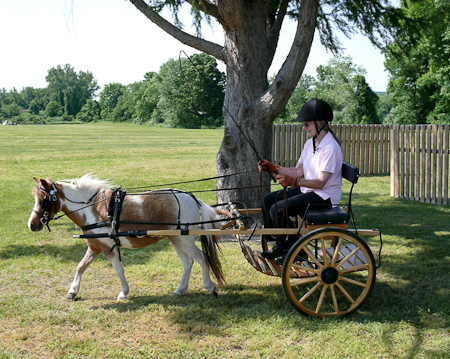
(210, 245)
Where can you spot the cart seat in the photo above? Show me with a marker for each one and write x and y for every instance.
(333, 215)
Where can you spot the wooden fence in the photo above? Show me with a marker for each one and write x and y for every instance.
(420, 163)
(415, 156)
(365, 146)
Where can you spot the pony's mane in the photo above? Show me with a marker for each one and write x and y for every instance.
(89, 182)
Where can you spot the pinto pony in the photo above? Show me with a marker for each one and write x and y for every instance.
(86, 200)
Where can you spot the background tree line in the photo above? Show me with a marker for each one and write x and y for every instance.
(190, 93)
(186, 96)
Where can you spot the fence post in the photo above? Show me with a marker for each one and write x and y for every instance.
(394, 161)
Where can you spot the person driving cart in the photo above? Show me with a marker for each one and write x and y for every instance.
(316, 180)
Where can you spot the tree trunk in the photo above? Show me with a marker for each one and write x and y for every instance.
(250, 105)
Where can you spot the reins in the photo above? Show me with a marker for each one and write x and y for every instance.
(45, 216)
(193, 181)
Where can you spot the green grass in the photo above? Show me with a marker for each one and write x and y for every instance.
(406, 316)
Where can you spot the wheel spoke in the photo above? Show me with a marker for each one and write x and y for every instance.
(308, 269)
(333, 295)
(301, 281)
(336, 251)
(311, 291)
(324, 251)
(355, 282)
(313, 257)
(348, 256)
(322, 296)
(344, 292)
(353, 269)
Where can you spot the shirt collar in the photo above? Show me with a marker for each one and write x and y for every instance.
(325, 140)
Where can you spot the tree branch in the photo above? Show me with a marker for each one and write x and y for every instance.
(208, 8)
(273, 34)
(208, 47)
(279, 92)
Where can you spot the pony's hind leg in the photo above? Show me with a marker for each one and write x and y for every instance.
(82, 266)
(187, 245)
(187, 263)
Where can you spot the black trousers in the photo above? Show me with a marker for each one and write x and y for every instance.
(278, 206)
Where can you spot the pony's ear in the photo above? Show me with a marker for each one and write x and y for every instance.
(44, 183)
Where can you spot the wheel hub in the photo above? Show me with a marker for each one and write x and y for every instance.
(330, 275)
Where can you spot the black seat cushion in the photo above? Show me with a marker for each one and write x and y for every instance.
(333, 215)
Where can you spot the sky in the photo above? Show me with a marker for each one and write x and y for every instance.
(114, 41)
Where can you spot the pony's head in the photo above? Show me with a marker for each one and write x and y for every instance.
(46, 204)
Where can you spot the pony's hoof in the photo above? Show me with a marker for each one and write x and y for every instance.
(215, 292)
(71, 296)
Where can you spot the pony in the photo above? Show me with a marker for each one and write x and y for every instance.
(86, 200)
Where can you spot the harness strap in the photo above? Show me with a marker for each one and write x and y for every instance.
(118, 196)
(95, 225)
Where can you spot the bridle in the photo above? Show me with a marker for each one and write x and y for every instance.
(47, 204)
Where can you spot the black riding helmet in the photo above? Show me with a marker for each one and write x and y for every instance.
(315, 110)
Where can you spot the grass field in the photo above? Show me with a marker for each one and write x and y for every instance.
(406, 316)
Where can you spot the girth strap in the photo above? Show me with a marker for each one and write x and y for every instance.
(114, 211)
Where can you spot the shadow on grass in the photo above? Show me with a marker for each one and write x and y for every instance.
(385, 313)
(385, 304)
(74, 253)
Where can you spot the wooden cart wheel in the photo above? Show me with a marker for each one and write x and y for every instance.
(328, 272)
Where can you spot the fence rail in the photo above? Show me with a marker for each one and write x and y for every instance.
(420, 163)
(416, 156)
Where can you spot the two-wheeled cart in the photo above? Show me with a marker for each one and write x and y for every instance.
(329, 271)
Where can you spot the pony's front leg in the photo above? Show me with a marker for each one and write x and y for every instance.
(118, 267)
(82, 266)
(187, 263)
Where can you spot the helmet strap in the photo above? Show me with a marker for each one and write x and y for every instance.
(316, 135)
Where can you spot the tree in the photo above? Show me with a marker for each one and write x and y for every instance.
(53, 109)
(109, 98)
(69, 89)
(251, 31)
(90, 112)
(297, 100)
(11, 110)
(419, 66)
(191, 92)
(146, 97)
(384, 106)
(343, 86)
(365, 110)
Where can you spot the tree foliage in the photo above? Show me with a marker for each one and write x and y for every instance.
(70, 89)
(419, 66)
(91, 111)
(343, 85)
(188, 96)
(191, 93)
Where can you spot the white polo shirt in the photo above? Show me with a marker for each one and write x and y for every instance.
(327, 158)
